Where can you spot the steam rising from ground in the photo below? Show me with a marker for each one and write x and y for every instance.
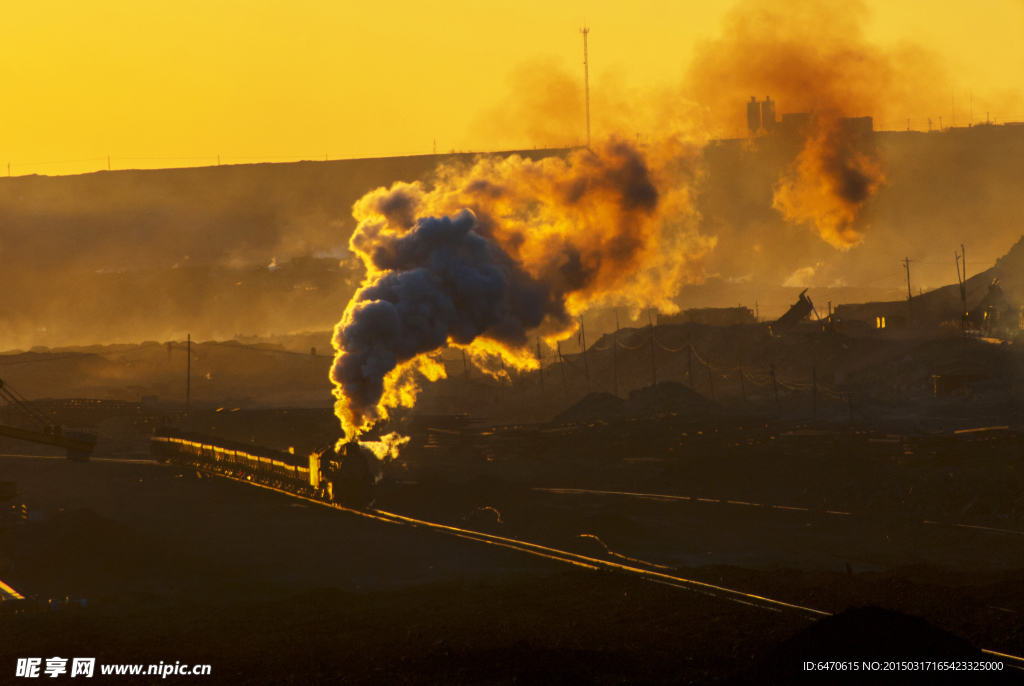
(506, 249)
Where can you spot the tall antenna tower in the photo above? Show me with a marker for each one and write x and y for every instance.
(586, 79)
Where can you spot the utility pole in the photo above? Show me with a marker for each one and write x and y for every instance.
(586, 79)
(188, 377)
(465, 367)
(108, 162)
(540, 370)
(963, 289)
(586, 365)
(8, 169)
(654, 367)
(615, 353)
(910, 294)
(961, 262)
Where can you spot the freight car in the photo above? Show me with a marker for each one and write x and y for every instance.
(344, 477)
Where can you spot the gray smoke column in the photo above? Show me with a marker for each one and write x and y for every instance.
(501, 250)
(441, 281)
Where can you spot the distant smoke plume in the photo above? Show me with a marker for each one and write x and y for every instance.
(811, 56)
(801, 278)
(544, 107)
(833, 176)
(504, 249)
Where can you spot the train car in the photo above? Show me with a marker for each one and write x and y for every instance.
(270, 467)
(346, 477)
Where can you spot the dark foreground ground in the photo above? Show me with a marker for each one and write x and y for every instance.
(564, 628)
(266, 589)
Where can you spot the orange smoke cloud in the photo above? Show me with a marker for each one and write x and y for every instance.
(610, 225)
(505, 249)
(811, 56)
(833, 176)
(544, 107)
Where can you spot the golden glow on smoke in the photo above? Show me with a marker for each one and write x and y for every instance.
(829, 182)
(614, 224)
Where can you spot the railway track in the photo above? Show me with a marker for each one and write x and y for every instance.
(585, 562)
(683, 498)
(575, 559)
(563, 556)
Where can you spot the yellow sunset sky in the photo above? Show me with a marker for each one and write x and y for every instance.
(162, 84)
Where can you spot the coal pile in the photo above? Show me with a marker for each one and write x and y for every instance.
(596, 406)
(667, 397)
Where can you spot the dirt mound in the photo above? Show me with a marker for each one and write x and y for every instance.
(596, 406)
(667, 396)
(864, 635)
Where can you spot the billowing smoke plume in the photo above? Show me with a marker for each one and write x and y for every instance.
(811, 56)
(834, 175)
(505, 249)
(387, 448)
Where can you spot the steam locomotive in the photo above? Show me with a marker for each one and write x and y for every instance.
(346, 477)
